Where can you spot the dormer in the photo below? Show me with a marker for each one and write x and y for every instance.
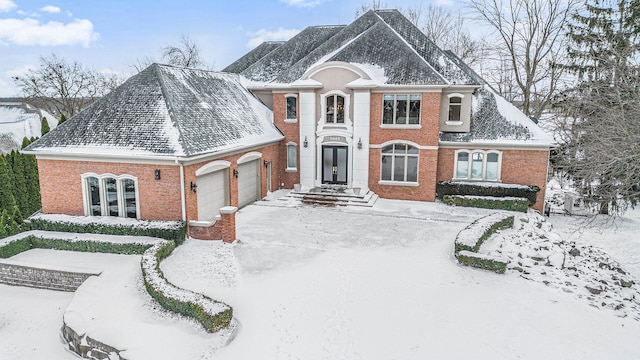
(455, 110)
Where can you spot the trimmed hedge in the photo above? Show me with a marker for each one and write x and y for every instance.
(176, 233)
(172, 298)
(175, 299)
(488, 202)
(466, 254)
(482, 262)
(487, 189)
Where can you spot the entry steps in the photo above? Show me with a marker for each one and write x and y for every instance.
(334, 196)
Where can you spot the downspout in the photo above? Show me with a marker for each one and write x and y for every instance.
(183, 199)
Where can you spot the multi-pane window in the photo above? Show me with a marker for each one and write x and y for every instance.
(455, 108)
(292, 162)
(292, 108)
(110, 196)
(334, 112)
(401, 109)
(477, 165)
(399, 163)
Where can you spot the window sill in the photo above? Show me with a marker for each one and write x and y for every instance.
(290, 121)
(475, 180)
(291, 170)
(454, 123)
(400, 126)
(398, 183)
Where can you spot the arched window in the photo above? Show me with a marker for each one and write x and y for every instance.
(477, 165)
(399, 163)
(109, 195)
(334, 112)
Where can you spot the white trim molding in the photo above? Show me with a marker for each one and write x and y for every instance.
(249, 157)
(213, 166)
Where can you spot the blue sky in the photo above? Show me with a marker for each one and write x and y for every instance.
(112, 35)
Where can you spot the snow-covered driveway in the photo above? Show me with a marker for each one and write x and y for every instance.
(382, 283)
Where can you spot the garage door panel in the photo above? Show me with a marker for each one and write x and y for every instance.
(248, 183)
(212, 192)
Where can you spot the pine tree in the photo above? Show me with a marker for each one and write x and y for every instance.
(62, 119)
(604, 160)
(45, 126)
(7, 201)
(19, 173)
(32, 185)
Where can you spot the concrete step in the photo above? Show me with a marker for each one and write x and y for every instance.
(328, 197)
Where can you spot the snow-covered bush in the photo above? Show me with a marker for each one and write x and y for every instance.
(213, 315)
(529, 192)
(470, 239)
(488, 202)
(168, 230)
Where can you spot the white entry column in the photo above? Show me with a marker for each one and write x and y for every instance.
(308, 134)
(361, 129)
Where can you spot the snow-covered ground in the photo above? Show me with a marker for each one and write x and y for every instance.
(20, 124)
(356, 283)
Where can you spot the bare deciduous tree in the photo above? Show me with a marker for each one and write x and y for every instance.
(531, 35)
(63, 87)
(186, 53)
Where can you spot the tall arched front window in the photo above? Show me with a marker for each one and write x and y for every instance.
(334, 113)
(399, 163)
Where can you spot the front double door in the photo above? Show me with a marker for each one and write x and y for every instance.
(334, 165)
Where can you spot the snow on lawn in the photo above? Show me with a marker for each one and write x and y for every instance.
(329, 283)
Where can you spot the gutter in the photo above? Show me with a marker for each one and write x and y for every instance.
(183, 197)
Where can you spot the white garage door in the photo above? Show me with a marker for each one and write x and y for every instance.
(213, 193)
(248, 182)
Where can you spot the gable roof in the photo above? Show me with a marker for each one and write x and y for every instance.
(166, 111)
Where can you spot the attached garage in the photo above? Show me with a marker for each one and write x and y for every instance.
(212, 192)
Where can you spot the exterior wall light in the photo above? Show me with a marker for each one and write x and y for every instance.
(193, 186)
(305, 143)
(235, 173)
(359, 143)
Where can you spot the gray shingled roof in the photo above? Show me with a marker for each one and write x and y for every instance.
(166, 111)
(270, 66)
(252, 56)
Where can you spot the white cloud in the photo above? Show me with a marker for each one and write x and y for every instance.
(303, 3)
(50, 9)
(52, 33)
(6, 5)
(262, 35)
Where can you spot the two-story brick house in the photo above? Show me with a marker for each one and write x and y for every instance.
(373, 105)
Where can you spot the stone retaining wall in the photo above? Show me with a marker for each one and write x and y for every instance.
(22, 275)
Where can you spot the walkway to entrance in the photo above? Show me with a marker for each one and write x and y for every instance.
(335, 196)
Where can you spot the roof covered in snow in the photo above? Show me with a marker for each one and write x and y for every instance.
(166, 111)
(387, 41)
(252, 56)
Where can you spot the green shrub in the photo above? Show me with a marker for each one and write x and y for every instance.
(481, 262)
(193, 308)
(488, 202)
(487, 189)
(176, 233)
(15, 247)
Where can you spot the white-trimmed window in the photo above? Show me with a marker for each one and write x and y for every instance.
(334, 112)
(478, 165)
(401, 109)
(399, 163)
(291, 107)
(292, 156)
(455, 108)
(110, 195)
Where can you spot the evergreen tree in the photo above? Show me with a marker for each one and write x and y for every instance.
(32, 183)
(604, 159)
(3, 226)
(62, 119)
(19, 171)
(7, 200)
(26, 141)
(45, 126)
